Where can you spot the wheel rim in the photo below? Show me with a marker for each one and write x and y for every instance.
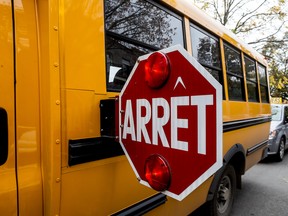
(224, 194)
(281, 149)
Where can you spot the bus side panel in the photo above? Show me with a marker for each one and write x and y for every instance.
(104, 186)
(27, 109)
(251, 136)
(50, 102)
(100, 188)
(83, 45)
(8, 190)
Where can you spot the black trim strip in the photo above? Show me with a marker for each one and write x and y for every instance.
(256, 147)
(90, 149)
(144, 206)
(235, 125)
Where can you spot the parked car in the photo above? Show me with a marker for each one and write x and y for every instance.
(278, 136)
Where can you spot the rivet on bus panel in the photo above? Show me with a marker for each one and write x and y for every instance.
(55, 28)
(58, 180)
(57, 141)
(56, 64)
(57, 102)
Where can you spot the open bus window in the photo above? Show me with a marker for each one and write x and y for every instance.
(134, 28)
(120, 59)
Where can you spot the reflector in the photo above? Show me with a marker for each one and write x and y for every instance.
(157, 70)
(157, 172)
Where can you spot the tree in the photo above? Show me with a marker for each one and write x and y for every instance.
(275, 53)
(139, 20)
(261, 24)
(262, 19)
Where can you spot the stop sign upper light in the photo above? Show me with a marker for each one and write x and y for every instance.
(157, 70)
(157, 172)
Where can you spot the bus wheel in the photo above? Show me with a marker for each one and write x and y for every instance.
(221, 204)
(281, 150)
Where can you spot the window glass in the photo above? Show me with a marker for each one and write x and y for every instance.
(250, 69)
(214, 73)
(251, 77)
(234, 74)
(263, 83)
(205, 48)
(264, 94)
(234, 88)
(233, 61)
(276, 113)
(252, 91)
(120, 59)
(285, 114)
(262, 75)
(134, 28)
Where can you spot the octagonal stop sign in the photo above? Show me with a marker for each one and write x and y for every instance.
(171, 118)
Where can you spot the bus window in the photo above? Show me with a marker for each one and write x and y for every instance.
(205, 48)
(134, 28)
(234, 74)
(263, 84)
(251, 78)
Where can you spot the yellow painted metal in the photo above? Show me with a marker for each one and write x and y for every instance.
(27, 109)
(188, 35)
(61, 79)
(8, 195)
(50, 103)
(105, 186)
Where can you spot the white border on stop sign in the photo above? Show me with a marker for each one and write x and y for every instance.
(219, 125)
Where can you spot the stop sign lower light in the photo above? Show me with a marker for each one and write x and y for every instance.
(157, 172)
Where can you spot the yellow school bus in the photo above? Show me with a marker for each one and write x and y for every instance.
(63, 62)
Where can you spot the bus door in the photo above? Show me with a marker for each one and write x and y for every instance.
(8, 185)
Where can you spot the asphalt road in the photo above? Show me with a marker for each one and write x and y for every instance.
(264, 190)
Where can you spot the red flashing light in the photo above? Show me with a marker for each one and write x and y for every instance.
(157, 70)
(157, 172)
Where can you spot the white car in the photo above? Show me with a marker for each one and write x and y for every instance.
(278, 136)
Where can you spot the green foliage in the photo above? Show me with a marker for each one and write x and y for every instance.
(277, 57)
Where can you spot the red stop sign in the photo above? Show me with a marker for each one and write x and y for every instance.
(179, 120)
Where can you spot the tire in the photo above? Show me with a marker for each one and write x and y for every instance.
(222, 202)
(281, 150)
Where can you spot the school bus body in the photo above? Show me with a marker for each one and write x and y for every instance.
(52, 78)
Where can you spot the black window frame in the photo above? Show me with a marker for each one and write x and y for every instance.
(138, 43)
(219, 69)
(257, 99)
(263, 85)
(237, 76)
